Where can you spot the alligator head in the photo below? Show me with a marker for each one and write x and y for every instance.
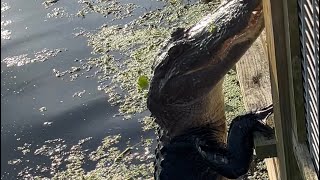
(186, 89)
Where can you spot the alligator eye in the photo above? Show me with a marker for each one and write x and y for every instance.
(175, 51)
(178, 49)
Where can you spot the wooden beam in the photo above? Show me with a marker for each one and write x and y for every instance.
(254, 79)
(277, 55)
(273, 168)
(283, 52)
(304, 160)
(265, 147)
(299, 134)
(291, 19)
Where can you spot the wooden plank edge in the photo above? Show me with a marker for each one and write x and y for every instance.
(303, 159)
(265, 147)
(272, 164)
(273, 168)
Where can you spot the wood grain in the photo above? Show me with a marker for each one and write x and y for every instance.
(254, 79)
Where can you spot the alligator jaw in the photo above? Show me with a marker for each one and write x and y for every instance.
(195, 60)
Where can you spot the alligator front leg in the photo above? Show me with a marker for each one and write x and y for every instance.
(234, 160)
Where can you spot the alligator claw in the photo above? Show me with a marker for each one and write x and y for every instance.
(264, 129)
(262, 115)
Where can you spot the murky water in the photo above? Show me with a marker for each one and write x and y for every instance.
(36, 105)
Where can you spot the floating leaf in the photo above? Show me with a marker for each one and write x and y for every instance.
(143, 82)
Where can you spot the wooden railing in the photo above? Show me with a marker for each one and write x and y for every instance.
(275, 75)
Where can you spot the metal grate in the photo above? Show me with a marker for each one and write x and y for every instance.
(309, 39)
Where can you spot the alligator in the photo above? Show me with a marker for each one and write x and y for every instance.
(186, 96)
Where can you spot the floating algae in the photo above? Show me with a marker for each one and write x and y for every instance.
(111, 9)
(111, 162)
(5, 33)
(39, 56)
(148, 123)
(79, 93)
(42, 109)
(58, 12)
(15, 161)
(25, 148)
(49, 3)
(4, 7)
(138, 43)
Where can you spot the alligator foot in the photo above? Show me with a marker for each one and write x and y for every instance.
(196, 155)
(234, 160)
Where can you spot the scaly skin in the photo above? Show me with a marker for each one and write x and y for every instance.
(186, 89)
(195, 155)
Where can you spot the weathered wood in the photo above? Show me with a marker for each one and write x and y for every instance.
(265, 147)
(299, 134)
(277, 55)
(290, 9)
(253, 76)
(304, 160)
(285, 64)
(254, 79)
(273, 168)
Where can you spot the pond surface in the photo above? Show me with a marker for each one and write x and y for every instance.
(37, 106)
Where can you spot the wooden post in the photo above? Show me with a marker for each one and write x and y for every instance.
(290, 9)
(254, 79)
(277, 55)
(294, 59)
(293, 160)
